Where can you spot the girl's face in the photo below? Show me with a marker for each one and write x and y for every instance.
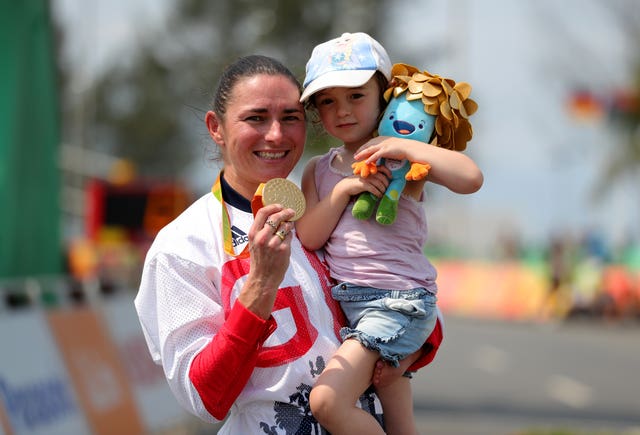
(263, 132)
(350, 114)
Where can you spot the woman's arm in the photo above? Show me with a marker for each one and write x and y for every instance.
(452, 169)
(208, 357)
(269, 259)
(221, 370)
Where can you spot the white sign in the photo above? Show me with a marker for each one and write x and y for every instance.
(156, 404)
(36, 394)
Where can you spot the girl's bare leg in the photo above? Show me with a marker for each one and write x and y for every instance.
(334, 396)
(397, 404)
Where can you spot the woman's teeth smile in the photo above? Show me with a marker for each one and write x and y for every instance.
(271, 155)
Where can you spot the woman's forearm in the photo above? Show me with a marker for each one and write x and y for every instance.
(221, 370)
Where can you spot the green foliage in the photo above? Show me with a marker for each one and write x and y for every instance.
(150, 109)
(624, 118)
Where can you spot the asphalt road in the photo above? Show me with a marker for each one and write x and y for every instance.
(494, 378)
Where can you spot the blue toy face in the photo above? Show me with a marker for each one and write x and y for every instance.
(406, 119)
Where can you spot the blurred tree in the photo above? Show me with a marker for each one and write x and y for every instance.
(149, 108)
(599, 97)
(623, 105)
(624, 116)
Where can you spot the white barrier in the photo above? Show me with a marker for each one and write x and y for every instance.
(80, 369)
(157, 406)
(35, 389)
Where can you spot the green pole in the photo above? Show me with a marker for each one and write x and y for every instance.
(30, 241)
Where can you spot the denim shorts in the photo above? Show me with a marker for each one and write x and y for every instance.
(395, 323)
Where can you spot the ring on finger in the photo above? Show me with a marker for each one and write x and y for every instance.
(281, 234)
(272, 224)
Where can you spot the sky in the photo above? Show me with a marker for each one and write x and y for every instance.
(522, 58)
(539, 162)
(101, 31)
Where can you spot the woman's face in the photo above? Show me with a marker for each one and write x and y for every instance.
(263, 132)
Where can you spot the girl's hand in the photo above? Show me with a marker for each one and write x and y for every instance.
(385, 374)
(388, 147)
(374, 183)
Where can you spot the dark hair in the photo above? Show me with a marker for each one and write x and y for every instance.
(247, 66)
(383, 83)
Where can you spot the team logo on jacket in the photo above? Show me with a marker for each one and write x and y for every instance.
(239, 236)
(295, 417)
(289, 309)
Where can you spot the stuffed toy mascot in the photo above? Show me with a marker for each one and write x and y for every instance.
(423, 107)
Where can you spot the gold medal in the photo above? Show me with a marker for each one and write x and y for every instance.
(286, 193)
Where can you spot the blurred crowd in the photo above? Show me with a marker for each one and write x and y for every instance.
(590, 279)
(574, 277)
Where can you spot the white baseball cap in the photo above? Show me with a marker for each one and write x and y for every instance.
(348, 61)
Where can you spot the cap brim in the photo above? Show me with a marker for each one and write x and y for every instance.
(332, 79)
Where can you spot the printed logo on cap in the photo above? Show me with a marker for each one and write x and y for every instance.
(347, 54)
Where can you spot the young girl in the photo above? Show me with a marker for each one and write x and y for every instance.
(386, 286)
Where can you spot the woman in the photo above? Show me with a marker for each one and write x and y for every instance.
(241, 317)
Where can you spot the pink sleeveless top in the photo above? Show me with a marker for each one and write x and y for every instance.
(369, 254)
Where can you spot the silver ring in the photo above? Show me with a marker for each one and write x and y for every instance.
(281, 234)
(272, 224)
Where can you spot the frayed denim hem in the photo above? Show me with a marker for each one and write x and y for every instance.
(372, 343)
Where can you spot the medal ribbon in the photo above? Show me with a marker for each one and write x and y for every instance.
(256, 203)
